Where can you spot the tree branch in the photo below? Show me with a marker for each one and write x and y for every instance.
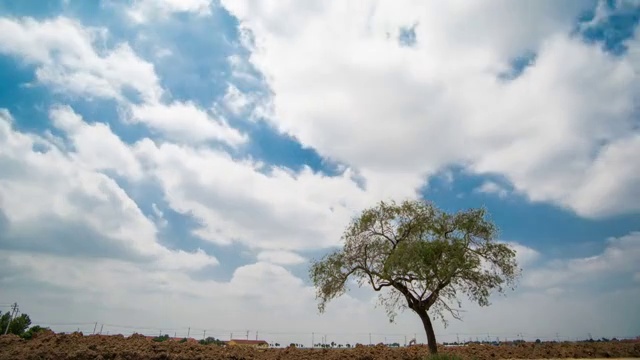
(454, 312)
(393, 243)
(405, 233)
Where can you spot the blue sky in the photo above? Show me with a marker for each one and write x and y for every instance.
(195, 155)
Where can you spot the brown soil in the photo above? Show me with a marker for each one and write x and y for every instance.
(75, 346)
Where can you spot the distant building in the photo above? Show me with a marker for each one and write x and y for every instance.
(253, 343)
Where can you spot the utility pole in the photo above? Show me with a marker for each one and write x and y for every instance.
(256, 335)
(313, 343)
(204, 335)
(405, 340)
(14, 312)
(188, 332)
(369, 338)
(230, 336)
(247, 334)
(95, 327)
(101, 326)
(458, 338)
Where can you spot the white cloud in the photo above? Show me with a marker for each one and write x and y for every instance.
(95, 146)
(68, 58)
(185, 122)
(619, 258)
(53, 200)
(281, 257)
(265, 297)
(525, 256)
(159, 216)
(235, 100)
(255, 297)
(337, 69)
(141, 11)
(491, 187)
(260, 206)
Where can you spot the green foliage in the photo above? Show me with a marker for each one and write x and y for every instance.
(183, 340)
(161, 338)
(18, 325)
(27, 335)
(425, 256)
(211, 340)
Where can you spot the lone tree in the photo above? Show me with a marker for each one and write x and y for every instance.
(420, 257)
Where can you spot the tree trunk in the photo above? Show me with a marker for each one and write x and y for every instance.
(428, 328)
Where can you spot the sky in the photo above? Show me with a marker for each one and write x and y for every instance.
(174, 166)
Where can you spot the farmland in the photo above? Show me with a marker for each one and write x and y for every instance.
(48, 345)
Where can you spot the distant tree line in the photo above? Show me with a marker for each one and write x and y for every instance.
(519, 341)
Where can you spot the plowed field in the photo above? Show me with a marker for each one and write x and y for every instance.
(78, 347)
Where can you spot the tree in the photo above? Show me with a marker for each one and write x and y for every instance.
(18, 325)
(418, 257)
(32, 331)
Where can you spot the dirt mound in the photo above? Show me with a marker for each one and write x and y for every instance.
(78, 347)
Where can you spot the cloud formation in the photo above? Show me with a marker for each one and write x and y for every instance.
(65, 55)
(555, 132)
(162, 212)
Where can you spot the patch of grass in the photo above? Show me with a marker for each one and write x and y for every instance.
(443, 356)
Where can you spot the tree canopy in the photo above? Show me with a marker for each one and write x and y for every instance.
(419, 257)
(18, 325)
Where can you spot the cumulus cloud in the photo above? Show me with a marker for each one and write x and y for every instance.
(491, 187)
(525, 256)
(95, 146)
(260, 206)
(185, 122)
(281, 257)
(235, 100)
(441, 102)
(141, 11)
(69, 59)
(66, 57)
(59, 200)
(618, 259)
(257, 295)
